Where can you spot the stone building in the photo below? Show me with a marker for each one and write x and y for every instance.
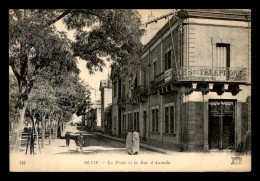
(93, 117)
(106, 99)
(193, 91)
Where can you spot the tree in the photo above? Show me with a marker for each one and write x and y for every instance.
(58, 96)
(32, 49)
(35, 45)
(115, 34)
(13, 99)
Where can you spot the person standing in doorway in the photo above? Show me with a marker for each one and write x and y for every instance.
(67, 137)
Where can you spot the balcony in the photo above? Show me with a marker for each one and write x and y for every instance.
(207, 78)
(121, 100)
(140, 90)
(209, 74)
(200, 74)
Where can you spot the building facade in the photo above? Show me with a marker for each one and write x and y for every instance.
(93, 117)
(193, 91)
(106, 99)
(108, 120)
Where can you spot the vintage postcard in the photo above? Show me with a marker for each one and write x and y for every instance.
(135, 90)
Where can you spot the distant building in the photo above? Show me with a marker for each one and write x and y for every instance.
(93, 117)
(108, 120)
(193, 91)
(106, 99)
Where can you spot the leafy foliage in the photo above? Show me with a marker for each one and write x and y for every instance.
(115, 34)
(43, 59)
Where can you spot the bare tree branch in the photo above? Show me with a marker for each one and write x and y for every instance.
(88, 12)
(65, 13)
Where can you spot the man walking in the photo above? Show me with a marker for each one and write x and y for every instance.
(81, 141)
(67, 137)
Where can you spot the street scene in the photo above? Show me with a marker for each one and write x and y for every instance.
(130, 90)
(93, 144)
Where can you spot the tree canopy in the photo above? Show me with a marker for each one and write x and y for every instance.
(44, 60)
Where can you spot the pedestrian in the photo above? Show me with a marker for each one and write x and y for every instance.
(129, 142)
(67, 137)
(136, 142)
(81, 141)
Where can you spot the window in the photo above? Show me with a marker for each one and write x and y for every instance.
(154, 68)
(155, 120)
(136, 120)
(144, 78)
(223, 55)
(124, 123)
(172, 120)
(167, 60)
(135, 83)
(130, 124)
(166, 118)
(169, 120)
(222, 60)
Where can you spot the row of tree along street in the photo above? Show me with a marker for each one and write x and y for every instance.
(44, 85)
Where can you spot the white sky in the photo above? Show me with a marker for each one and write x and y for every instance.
(94, 79)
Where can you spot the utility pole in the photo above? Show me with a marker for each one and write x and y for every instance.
(163, 16)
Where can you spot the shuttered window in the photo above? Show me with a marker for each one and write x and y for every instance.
(223, 55)
(222, 61)
(167, 60)
(169, 120)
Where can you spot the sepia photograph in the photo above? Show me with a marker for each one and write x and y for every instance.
(130, 90)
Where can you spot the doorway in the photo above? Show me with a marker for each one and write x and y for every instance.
(221, 125)
(119, 122)
(144, 126)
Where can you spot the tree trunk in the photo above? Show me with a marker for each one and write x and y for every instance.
(35, 128)
(50, 133)
(17, 130)
(53, 129)
(56, 129)
(43, 130)
(32, 143)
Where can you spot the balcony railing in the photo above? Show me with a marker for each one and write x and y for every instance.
(140, 90)
(201, 73)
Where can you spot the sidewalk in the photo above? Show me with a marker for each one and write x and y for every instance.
(58, 146)
(142, 145)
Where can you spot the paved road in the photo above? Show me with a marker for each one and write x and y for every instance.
(93, 144)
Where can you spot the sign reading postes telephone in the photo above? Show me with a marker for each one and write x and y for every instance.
(211, 74)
